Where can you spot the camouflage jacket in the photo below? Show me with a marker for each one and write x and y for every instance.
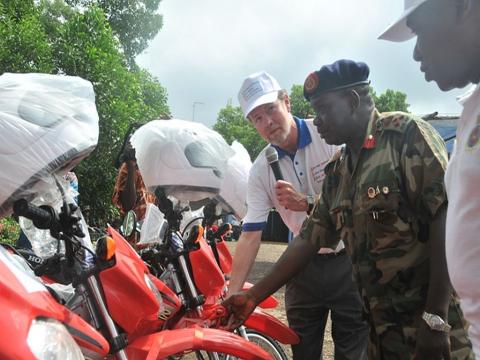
(382, 207)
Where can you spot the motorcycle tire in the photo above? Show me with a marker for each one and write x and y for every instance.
(268, 344)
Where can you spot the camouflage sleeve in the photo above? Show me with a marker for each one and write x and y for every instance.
(423, 160)
(318, 228)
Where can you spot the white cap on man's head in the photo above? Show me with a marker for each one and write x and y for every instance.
(399, 31)
(258, 89)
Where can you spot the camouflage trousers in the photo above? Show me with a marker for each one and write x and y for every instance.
(393, 333)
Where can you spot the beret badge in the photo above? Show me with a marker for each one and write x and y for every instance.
(311, 83)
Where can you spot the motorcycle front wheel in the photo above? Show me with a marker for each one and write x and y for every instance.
(268, 344)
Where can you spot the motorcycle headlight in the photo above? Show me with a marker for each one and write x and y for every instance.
(49, 339)
(155, 291)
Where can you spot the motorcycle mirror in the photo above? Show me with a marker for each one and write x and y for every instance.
(129, 223)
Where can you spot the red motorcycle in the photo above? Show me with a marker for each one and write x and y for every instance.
(120, 298)
(190, 267)
(35, 325)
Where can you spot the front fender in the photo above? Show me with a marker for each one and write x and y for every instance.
(170, 342)
(269, 303)
(269, 325)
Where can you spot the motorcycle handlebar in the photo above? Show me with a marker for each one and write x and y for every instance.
(222, 230)
(42, 217)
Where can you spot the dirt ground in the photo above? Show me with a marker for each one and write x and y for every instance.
(267, 256)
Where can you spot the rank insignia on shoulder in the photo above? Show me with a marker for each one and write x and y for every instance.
(369, 142)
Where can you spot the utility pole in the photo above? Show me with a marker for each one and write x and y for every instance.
(193, 108)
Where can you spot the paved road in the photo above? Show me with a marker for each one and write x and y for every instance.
(267, 256)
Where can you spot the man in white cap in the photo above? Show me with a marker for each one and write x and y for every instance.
(326, 282)
(448, 48)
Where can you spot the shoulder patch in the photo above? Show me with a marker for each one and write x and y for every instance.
(393, 121)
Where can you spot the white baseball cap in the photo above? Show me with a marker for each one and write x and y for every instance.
(399, 31)
(257, 89)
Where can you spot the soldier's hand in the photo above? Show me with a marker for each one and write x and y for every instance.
(289, 198)
(239, 307)
(432, 344)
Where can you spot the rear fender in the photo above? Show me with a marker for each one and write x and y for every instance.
(170, 342)
(269, 325)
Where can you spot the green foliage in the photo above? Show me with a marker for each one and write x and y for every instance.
(390, 100)
(24, 47)
(299, 106)
(232, 125)
(57, 38)
(133, 22)
(9, 230)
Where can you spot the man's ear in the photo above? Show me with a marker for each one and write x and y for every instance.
(354, 100)
(287, 103)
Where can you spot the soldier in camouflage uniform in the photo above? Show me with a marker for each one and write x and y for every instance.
(384, 195)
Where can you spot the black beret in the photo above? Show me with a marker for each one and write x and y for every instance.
(341, 74)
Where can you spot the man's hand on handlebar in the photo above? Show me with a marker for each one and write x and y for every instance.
(239, 307)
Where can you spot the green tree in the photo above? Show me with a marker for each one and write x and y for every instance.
(134, 22)
(232, 125)
(299, 106)
(62, 39)
(390, 100)
(24, 46)
(9, 230)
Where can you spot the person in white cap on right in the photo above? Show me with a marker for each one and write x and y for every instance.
(448, 48)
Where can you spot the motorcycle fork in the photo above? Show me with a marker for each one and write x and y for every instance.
(117, 341)
(182, 263)
(242, 332)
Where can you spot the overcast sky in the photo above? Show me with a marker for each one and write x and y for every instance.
(207, 47)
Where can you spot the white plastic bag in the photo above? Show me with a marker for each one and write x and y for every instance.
(233, 191)
(48, 123)
(187, 159)
(153, 227)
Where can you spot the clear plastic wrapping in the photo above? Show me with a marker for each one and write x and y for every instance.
(187, 159)
(192, 162)
(233, 191)
(48, 123)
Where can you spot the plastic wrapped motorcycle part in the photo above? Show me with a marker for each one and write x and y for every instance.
(154, 226)
(49, 339)
(190, 218)
(187, 159)
(47, 193)
(233, 191)
(48, 123)
(43, 244)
